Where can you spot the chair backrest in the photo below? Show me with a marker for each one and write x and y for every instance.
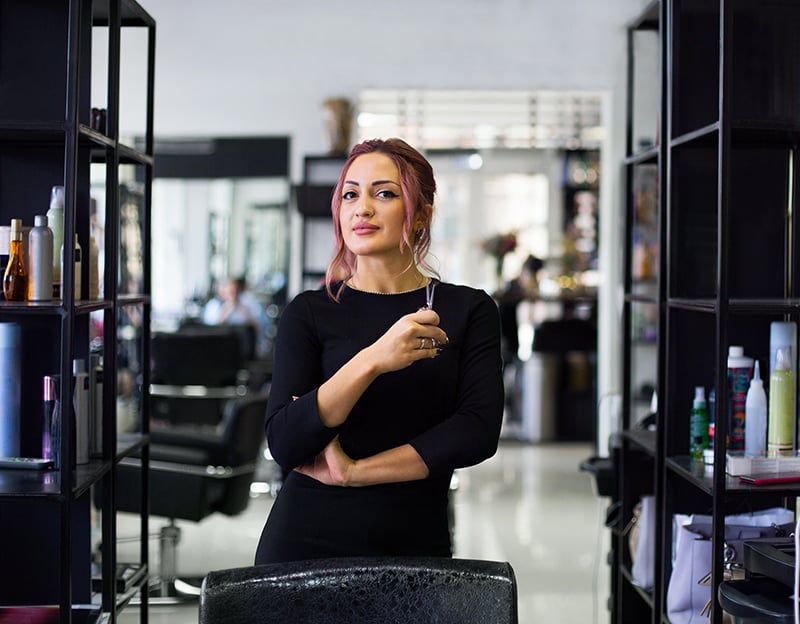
(418, 590)
(201, 355)
(243, 427)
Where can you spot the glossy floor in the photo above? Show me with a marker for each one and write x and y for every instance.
(529, 505)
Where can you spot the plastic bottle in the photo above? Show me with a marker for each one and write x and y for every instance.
(77, 267)
(740, 370)
(15, 280)
(10, 389)
(5, 244)
(755, 426)
(80, 406)
(55, 220)
(780, 430)
(40, 261)
(698, 424)
(94, 274)
(782, 334)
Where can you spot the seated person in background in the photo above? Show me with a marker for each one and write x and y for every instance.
(234, 306)
(525, 286)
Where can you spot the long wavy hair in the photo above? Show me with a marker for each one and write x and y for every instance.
(418, 187)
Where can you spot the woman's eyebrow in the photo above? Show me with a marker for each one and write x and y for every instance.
(375, 183)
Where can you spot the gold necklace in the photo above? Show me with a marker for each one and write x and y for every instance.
(379, 292)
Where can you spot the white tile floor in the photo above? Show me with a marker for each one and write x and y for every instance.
(529, 505)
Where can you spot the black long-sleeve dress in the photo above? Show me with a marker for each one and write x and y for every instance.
(448, 408)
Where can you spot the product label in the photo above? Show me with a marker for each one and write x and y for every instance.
(738, 383)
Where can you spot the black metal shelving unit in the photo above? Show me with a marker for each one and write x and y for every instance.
(726, 170)
(47, 138)
(313, 202)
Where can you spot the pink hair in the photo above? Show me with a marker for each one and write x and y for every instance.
(418, 186)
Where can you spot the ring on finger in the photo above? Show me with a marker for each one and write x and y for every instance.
(421, 344)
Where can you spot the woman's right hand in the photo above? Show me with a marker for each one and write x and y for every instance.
(398, 348)
(413, 337)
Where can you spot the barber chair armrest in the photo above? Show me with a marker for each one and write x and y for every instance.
(206, 471)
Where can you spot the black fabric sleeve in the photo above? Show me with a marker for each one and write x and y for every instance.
(295, 433)
(472, 432)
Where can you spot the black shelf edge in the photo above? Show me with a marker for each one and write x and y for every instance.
(702, 475)
(645, 157)
(738, 306)
(692, 470)
(47, 308)
(132, 14)
(131, 156)
(744, 133)
(55, 306)
(644, 439)
(764, 305)
(129, 443)
(637, 298)
(648, 19)
(697, 305)
(129, 300)
(81, 614)
(26, 484)
(702, 135)
(94, 136)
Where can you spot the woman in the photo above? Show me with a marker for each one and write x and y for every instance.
(384, 382)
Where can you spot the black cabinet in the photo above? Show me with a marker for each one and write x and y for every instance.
(719, 216)
(59, 553)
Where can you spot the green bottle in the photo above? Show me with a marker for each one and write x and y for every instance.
(780, 430)
(698, 424)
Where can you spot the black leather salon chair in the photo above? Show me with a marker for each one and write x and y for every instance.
(195, 370)
(194, 472)
(390, 590)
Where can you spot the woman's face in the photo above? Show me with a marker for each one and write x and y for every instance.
(372, 212)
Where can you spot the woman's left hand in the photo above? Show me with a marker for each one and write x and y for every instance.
(331, 466)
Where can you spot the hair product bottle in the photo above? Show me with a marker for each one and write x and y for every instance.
(49, 420)
(780, 429)
(698, 424)
(740, 369)
(96, 405)
(55, 219)
(10, 389)
(94, 271)
(755, 426)
(15, 280)
(782, 334)
(5, 243)
(40, 261)
(80, 405)
(77, 267)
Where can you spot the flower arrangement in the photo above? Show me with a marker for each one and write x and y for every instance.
(498, 246)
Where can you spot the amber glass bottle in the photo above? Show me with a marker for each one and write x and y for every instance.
(15, 280)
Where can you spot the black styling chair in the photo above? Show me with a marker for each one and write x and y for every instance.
(194, 371)
(194, 472)
(365, 590)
